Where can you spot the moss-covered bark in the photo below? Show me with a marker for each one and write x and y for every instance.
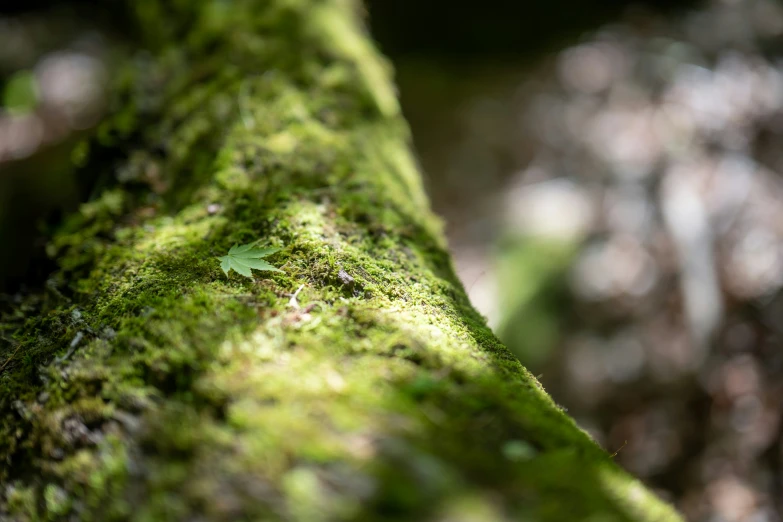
(149, 386)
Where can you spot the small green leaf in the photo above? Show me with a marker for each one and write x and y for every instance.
(236, 249)
(241, 269)
(225, 264)
(243, 258)
(256, 253)
(258, 264)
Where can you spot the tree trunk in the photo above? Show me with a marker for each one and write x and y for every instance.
(358, 384)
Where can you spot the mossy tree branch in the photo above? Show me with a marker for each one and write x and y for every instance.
(150, 386)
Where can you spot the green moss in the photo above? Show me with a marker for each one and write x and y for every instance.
(157, 388)
(58, 503)
(20, 502)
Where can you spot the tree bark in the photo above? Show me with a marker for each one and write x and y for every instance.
(359, 384)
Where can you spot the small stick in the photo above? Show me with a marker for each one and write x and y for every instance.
(19, 345)
(293, 303)
(613, 455)
(74, 344)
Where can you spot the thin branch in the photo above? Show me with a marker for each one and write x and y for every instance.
(18, 345)
(293, 303)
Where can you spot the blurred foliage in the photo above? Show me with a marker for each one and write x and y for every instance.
(534, 311)
(21, 93)
(52, 83)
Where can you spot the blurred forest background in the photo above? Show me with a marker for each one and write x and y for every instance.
(611, 176)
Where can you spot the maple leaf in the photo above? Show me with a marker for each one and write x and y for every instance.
(243, 258)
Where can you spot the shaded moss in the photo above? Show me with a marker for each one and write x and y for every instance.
(160, 389)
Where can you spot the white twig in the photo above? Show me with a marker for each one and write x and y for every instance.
(74, 344)
(293, 303)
